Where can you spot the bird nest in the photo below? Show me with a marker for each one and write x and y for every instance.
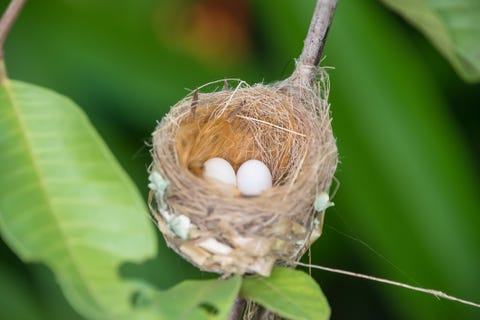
(213, 226)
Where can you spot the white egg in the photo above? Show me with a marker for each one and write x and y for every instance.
(253, 177)
(220, 170)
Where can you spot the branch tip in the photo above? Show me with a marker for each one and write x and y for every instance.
(307, 63)
(6, 22)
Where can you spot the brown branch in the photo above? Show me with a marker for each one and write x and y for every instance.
(307, 63)
(6, 23)
(237, 309)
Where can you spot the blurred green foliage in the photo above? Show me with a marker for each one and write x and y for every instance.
(407, 129)
(452, 27)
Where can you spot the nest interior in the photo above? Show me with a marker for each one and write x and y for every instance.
(286, 127)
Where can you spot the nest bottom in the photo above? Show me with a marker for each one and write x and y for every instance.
(232, 253)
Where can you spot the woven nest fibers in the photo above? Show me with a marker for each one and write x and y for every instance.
(211, 224)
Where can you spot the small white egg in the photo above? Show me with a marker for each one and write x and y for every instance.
(253, 177)
(220, 170)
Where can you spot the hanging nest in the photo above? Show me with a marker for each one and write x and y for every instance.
(285, 125)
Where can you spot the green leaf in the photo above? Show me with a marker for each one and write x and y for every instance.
(194, 299)
(453, 26)
(66, 202)
(290, 293)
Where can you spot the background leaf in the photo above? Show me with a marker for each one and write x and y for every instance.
(290, 293)
(452, 27)
(390, 217)
(194, 300)
(408, 186)
(407, 207)
(65, 201)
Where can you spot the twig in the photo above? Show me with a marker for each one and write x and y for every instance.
(6, 23)
(306, 66)
(237, 309)
(8, 19)
(436, 293)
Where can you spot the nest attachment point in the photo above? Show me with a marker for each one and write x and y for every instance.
(213, 226)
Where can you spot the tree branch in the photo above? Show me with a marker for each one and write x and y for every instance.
(307, 63)
(237, 309)
(8, 19)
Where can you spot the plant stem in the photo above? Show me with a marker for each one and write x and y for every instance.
(307, 63)
(436, 293)
(6, 23)
(237, 309)
(305, 73)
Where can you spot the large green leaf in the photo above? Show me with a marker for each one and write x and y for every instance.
(65, 201)
(453, 26)
(193, 300)
(291, 293)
